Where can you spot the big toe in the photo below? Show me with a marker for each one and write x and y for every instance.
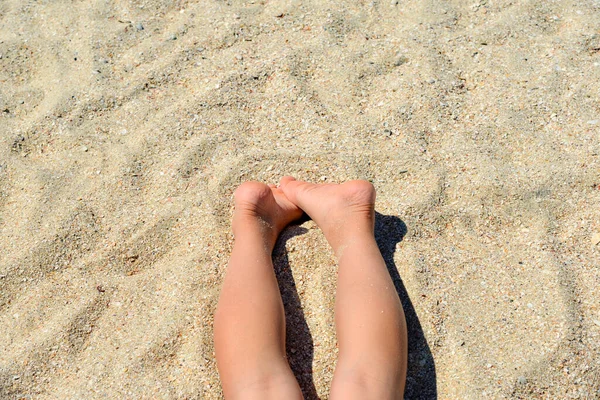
(288, 185)
(298, 192)
(284, 181)
(291, 186)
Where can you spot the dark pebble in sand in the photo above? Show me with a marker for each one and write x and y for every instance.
(400, 60)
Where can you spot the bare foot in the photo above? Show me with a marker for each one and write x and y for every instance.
(265, 206)
(342, 211)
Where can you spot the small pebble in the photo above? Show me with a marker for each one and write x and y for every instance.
(139, 26)
(431, 81)
(400, 60)
(173, 37)
(84, 149)
(593, 121)
(522, 380)
(596, 239)
(394, 2)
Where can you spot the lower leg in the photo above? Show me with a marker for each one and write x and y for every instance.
(249, 323)
(370, 325)
(370, 322)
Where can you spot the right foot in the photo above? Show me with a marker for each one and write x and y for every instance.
(343, 212)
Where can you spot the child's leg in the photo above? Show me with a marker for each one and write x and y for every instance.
(250, 322)
(370, 321)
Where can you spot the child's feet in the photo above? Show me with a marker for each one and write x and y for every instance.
(265, 206)
(341, 211)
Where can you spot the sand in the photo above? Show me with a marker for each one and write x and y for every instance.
(125, 126)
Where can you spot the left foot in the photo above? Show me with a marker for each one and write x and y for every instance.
(265, 207)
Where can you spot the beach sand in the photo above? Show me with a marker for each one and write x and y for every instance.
(125, 126)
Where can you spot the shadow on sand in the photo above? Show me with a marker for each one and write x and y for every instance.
(298, 341)
(421, 376)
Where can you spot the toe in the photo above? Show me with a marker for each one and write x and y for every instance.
(285, 180)
(296, 191)
(289, 186)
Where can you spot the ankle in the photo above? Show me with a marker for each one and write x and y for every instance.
(347, 236)
(247, 226)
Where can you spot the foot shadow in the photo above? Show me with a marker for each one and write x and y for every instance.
(299, 342)
(421, 377)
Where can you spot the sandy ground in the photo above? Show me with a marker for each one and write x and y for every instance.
(126, 125)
